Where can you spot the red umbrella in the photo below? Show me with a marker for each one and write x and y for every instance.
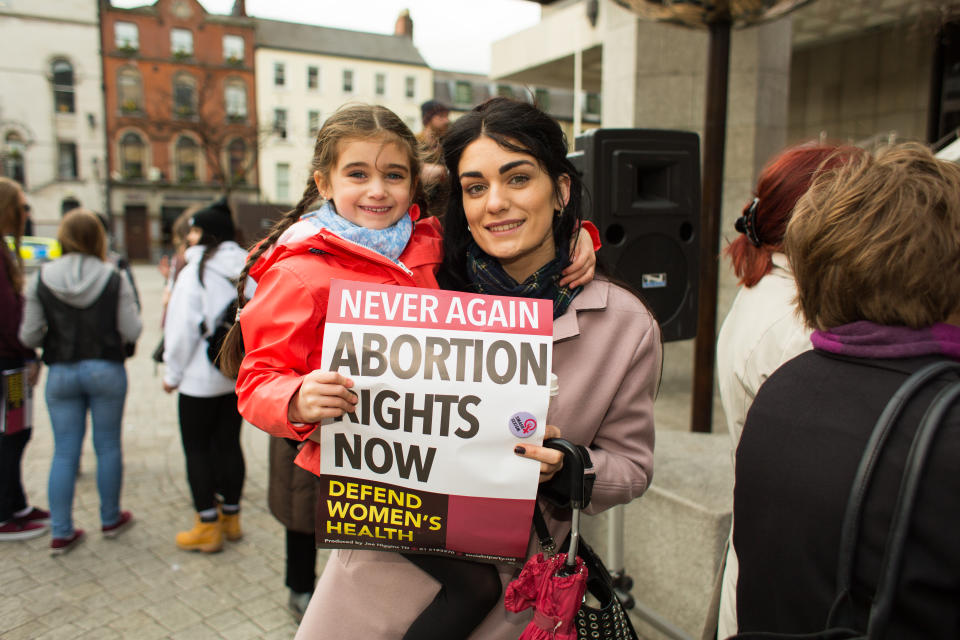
(555, 590)
(554, 585)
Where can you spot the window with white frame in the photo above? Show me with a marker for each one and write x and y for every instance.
(187, 154)
(14, 157)
(592, 103)
(313, 78)
(67, 160)
(279, 74)
(235, 97)
(280, 122)
(233, 47)
(181, 42)
(542, 98)
(313, 123)
(126, 35)
(63, 86)
(237, 158)
(184, 95)
(380, 84)
(132, 156)
(463, 92)
(129, 90)
(410, 87)
(283, 182)
(347, 81)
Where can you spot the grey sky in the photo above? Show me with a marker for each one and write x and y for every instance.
(453, 35)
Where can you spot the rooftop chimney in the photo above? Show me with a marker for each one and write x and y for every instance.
(404, 26)
(239, 8)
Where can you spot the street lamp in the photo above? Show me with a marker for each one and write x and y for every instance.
(718, 16)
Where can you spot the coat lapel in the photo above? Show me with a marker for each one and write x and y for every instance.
(593, 297)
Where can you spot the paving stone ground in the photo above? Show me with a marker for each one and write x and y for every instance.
(139, 585)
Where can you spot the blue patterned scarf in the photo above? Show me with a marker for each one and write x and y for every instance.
(389, 242)
(488, 277)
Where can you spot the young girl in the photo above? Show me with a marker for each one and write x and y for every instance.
(365, 170)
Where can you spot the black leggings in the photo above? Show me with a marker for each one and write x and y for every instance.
(12, 498)
(468, 591)
(210, 432)
(301, 570)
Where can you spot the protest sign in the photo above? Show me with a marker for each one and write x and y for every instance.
(447, 385)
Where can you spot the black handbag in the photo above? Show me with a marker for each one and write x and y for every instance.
(838, 625)
(609, 620)
(157, 354)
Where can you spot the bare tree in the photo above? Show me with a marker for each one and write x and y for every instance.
(227, 134)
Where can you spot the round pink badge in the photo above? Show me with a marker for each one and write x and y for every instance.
(523, 424)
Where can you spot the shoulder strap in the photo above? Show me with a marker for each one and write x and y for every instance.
(851, 519)
(893, 555)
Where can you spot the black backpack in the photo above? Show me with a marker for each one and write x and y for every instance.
(221, 327)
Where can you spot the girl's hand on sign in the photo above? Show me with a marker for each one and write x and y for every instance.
(580, 270)
(322, 394)
(551, 460)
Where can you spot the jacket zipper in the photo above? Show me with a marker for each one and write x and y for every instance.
(349, 246)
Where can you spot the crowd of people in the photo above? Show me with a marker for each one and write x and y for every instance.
(848, 262)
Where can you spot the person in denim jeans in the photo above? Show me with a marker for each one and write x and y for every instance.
(84, 315)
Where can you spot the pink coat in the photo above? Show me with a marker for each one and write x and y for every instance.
(607, 356)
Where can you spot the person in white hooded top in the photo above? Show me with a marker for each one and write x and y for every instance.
(207, 404)
(85, 316)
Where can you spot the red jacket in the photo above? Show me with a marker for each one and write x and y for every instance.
(283, 324)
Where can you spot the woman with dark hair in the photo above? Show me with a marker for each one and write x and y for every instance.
(874, 246)
(763, 328)
(207, 404)
(84, 314)
(18, 520)
(515, 204)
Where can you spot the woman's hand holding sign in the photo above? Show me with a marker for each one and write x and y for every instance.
(322, 394)
(551, 460)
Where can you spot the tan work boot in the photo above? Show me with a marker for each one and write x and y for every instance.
(205, 536)
(230, 522)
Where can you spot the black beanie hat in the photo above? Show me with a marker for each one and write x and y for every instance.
(215, 221)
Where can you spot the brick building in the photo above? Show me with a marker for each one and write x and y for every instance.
(180, 113)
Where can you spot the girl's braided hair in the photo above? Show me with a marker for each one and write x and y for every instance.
(351, 122)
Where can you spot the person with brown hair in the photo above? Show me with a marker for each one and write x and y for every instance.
(763, 328)
(874, 247)
(18, 520)
(83, 313)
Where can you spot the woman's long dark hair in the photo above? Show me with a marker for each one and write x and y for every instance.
(515, 126)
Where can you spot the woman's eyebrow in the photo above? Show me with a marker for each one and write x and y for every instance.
(515, 163)
(471, 174)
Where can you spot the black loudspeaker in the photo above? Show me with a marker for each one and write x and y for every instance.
(642, 190)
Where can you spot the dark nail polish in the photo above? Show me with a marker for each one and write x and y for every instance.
(519, 450)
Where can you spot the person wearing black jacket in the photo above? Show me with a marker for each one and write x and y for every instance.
(874, 246)
(84, 315)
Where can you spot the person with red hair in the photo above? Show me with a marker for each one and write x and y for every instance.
(763, 329)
